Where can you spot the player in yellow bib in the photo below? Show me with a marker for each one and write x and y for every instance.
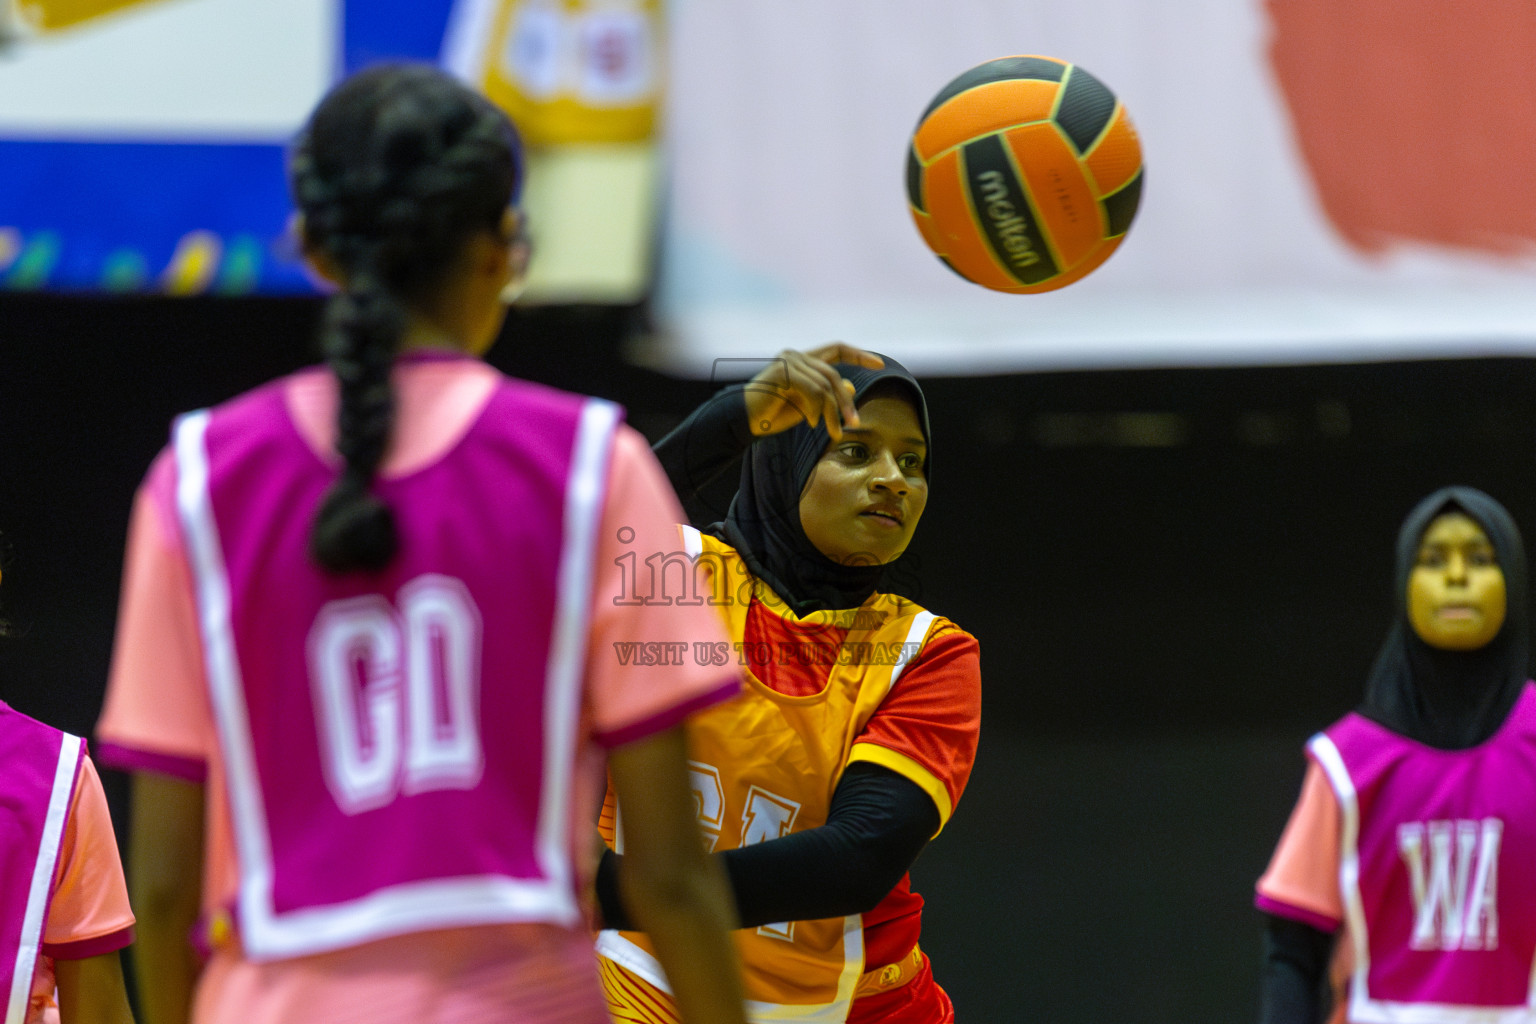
(855, 734)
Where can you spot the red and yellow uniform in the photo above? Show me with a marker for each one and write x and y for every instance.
(889, 683)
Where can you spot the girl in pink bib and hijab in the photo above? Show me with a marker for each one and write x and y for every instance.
(1402, 887)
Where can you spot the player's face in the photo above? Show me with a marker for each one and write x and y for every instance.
(1456, 598)
(867, 492)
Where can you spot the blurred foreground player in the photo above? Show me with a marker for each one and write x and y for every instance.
(365, 645)
(63, 905)
(855, 735)
(1401, 889)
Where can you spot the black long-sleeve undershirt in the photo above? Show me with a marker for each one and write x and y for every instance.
(877, 824)
(705, 445)
(1292, 984)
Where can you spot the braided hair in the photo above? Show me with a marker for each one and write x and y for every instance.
(398, 167)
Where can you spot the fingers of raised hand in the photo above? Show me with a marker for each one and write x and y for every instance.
(839, 352)
(805, 385)
(829, 396)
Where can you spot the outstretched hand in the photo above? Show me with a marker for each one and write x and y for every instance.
(800, 386)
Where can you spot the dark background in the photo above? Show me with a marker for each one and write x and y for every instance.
(1175, 576)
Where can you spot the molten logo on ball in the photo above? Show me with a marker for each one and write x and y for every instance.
(1008, 228)
(1024, 174)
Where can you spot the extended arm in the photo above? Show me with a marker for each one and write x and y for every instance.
(879, 819)
(165, 867)
(673, 891)
(877, 824)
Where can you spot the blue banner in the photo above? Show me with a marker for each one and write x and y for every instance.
(190, 197)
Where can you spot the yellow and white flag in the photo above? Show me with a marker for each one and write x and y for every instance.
(576, 70)
(584, 81)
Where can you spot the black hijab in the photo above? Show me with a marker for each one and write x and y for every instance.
(1452, 699)
(763, 522)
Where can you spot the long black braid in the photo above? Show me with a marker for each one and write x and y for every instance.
(398, 167)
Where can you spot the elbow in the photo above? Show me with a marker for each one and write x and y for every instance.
(873, 866)
(163, 902)
(165, 893)
(867, 878)
(868, 890)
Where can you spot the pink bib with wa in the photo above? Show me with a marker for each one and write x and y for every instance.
(400, 746)
(1436, 853)
(37, 782)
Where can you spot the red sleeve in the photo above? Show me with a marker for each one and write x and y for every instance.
(928, 726)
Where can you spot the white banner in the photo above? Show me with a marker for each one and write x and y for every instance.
(1325, 182)
(223, 70)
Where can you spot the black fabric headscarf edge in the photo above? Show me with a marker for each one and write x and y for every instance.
(1452, 699)
(763, 521)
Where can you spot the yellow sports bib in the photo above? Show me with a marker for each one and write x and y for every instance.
(766, 764)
